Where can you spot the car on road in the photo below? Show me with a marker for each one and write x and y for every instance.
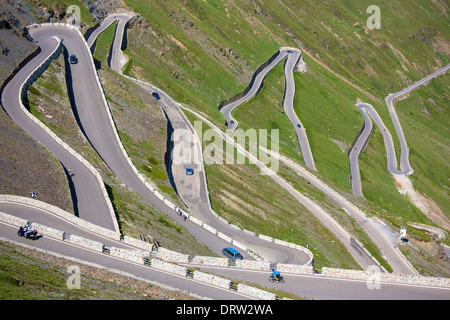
(299, 125)
(232, 253)
(156, 95)
(189, 171)
(73, 59)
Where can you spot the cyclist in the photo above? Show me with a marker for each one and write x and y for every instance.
(276, 275)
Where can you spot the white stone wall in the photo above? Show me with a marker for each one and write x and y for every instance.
(254, 292)
(195, 220)
(168, 255)
(224, 237)
(15, 221)
(47, 231)
(171, 256)
(63, 214)
(254, 265)
(239, 245)
(169, 267)
(267, 238)
(86, 243)
(129, 254)
(212, 279)
(138, 243)
(210, 261)
(295, 268)
(386, 277)
(209, 228)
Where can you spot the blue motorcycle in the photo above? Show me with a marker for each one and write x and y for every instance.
(30, 234)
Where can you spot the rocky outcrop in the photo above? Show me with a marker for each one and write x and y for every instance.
(14, 43)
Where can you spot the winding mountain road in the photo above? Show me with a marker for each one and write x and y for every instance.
(369, 113)
(100, 260)
(193, 189)
(97, 124)
(90, 199)
(315, 287)
(294, 58)
(378, 232)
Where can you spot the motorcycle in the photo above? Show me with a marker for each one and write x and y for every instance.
(273, 279)
(30, 234)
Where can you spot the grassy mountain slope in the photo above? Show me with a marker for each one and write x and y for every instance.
(203, 52)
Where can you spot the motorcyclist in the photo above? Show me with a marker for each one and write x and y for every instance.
(27, 227)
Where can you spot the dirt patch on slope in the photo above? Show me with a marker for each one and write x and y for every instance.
(426, 205)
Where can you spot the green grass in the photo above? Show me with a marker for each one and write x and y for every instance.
(103, 44)
(326, 106)
(203, 52)
(244, 197)
(254, 31)
(26, 278)
(183, 41)
(26, 274)
(426, 121)
(189, 59)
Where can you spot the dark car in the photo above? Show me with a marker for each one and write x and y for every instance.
(189, 171)
(156, 95)
(232, 253)
(73, 59)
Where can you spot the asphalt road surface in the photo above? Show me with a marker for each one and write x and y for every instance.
(67, 250)
(192, 189)
(293, 57)
(315, 287)
(89, 199)
(95, 121)
(370, 113)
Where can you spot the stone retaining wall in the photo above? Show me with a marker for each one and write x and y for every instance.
(224, 237)
(169, 267)
(254, 292)
(386, 277)
(254, 265)
(171, 256)
(137, 255)
(134, 255)
(15, 221)
(295, 268)
(41, 68)
(210, 261)
(47, 231)
(138, 243)
(86, 243)
(212, 279)
(63, 214)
